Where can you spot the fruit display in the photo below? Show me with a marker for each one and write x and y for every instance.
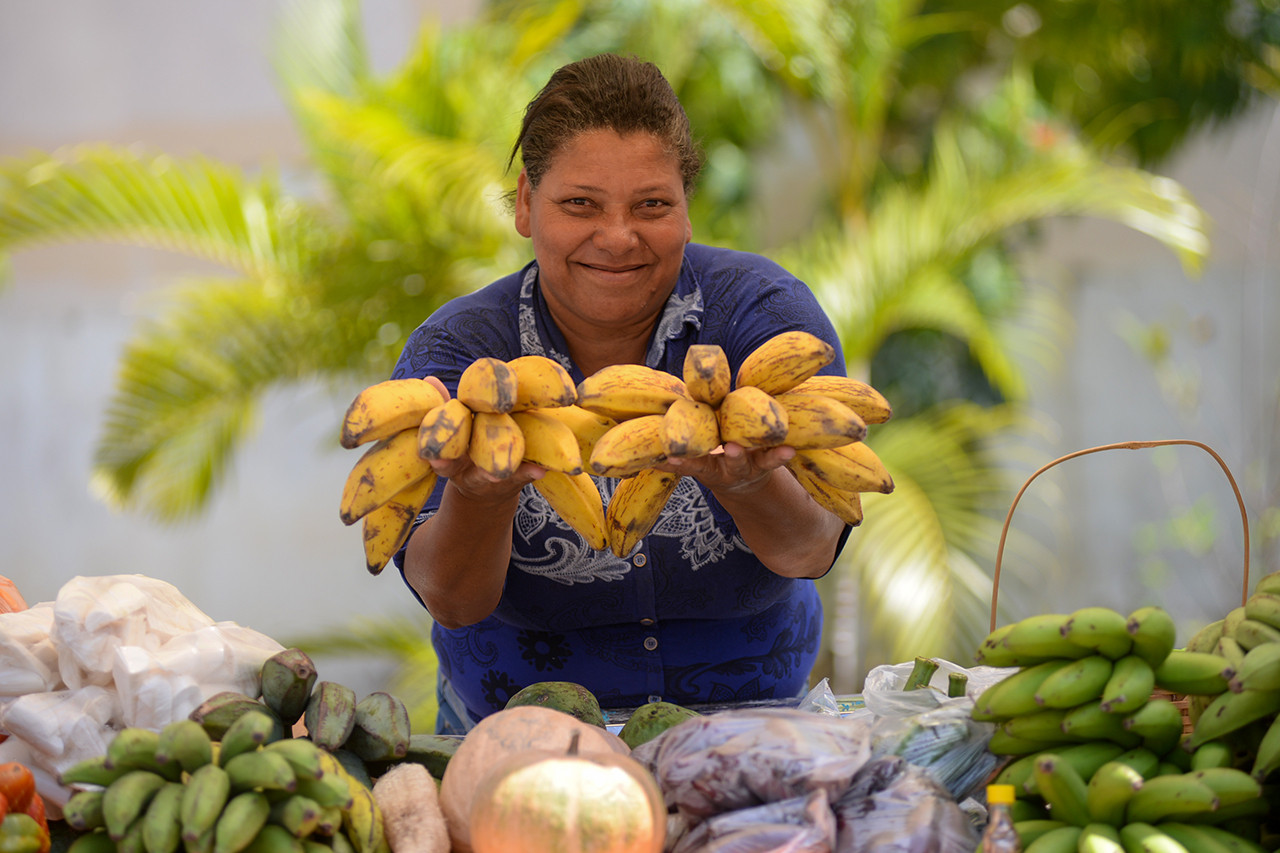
(1116, 739)
(619, 422)
(232, 776)
(24, 825)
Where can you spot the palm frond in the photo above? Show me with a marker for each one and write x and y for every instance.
(192, 206)
(320, 45)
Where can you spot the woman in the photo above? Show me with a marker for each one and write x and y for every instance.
(718, 602)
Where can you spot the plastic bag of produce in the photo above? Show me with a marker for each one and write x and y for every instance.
(743, 758)
(798, 825)
(894, 807)
(946, 741)
(28, 658)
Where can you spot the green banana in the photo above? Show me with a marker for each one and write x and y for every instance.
(381, 728)
(1259, 670)
(133, 748)
(288, 677)
(1199, 673)
(125, 799)
(1268, 583)
(91, 771)
(1041, 636)
(329, 790)
(1099, 838)
(1193, 837)
(1229, 648)
(991, 644)
(330, 714)
(296, 813)
(1144, 838)
(1015, 694)
(1090, 721)
(1263, 607)
(1130, 685)
(1002, 743)
(1267, 756)
(162, 823)
(1140, 758)
(92, 842)
(247, 732)
(1251, 633)
(1231, 785)
(302, 755)
(83, 810)
(131, 841)
(205, 793)
(261, 769)
(1158, 722)
(1232, 620)
(1207, 637)
(1171, 796)
(220, 710)
(184, 743)
(1101, 630)
(1075, 682)
(1031, 829)
(1062, 788)
(1064, 839)
(1045, 726)
(1109, 789)
(1230, 712)
(1153, 632)
(1215, 753)
(1085, 758)
(273, 838)
(240, 822)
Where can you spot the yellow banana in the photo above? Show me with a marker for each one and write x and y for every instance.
(445, 431)
(690, 428)
(629, 447)
(845, 505)
(784, 361)
(587, 426)
(487, 385)
(869, 403)
(383, 409)
(541, 383)
(707, 374)
(576, 499)
(814, 421)
(635, 507)
(387, 527)
(497, 444)
(751, 417)
(622, 391)
(852, 466)
(387, 468)
(548, 442)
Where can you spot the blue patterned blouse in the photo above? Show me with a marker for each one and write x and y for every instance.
(691, 616)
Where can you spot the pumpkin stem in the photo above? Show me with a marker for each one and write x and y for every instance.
(573, 744)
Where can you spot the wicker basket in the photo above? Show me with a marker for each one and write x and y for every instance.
(1180, 701)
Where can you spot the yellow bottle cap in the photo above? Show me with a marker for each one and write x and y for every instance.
(1000, 794)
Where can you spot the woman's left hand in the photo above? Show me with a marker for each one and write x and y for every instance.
(732, 468)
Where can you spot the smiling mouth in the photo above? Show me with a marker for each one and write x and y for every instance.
(604, 269)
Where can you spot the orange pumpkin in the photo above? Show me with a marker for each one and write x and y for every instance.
(501, 735)
(541, 801)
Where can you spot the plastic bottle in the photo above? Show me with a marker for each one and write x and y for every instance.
(1000, 835)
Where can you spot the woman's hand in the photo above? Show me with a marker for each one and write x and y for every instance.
(732, 468)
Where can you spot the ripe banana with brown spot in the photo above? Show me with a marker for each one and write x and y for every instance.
(750, 416)
(623, 391)
(635, 507)
(487, 385)
(784, 361)
(575, 498)
(690, 428)
(445, 431)
(815, 421)
(385, 408)
(854, 467)
(844, 504)
(541, 383)
(386, 528)
(497, 444)
(869, 403)
(387, 468)
(629, 447)
(707, 374)
(548, 442)
(587, 426)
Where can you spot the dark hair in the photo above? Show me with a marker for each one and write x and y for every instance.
(605, 92)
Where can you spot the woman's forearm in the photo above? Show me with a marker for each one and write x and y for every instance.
(457, 560)
(783, 526)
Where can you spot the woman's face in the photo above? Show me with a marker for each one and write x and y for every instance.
(609, 222)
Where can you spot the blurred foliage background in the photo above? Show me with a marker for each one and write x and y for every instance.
(898, 155)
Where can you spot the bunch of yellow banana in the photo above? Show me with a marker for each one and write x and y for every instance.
(775, 399)
(504, 412)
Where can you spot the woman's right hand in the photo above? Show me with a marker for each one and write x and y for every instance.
(482, 487)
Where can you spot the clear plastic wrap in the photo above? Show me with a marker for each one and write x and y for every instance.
(895, 807)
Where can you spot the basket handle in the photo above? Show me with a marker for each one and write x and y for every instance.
(1123, 445)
